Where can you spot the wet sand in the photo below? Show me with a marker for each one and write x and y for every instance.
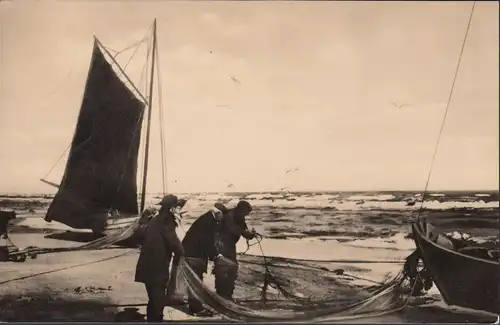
(80, 290)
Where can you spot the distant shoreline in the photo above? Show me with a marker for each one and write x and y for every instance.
(236, 193)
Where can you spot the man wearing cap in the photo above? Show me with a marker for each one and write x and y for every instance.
(232, 227)
(160, 242)
(199, 247)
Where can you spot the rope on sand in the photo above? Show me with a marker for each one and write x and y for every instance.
(332, 261)
(68, 267)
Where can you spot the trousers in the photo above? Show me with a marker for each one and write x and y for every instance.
(156, 301)
(199, 267)
(226, 275)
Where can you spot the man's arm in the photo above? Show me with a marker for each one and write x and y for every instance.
(248, 234)
(168, 231)
(238, 226)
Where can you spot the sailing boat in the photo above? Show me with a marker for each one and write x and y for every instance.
(101, 171)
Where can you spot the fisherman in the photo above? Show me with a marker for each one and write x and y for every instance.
(419, 280)
(199, 247)
(160, 241)
(5, 218)
(230, 230)
(172, 283)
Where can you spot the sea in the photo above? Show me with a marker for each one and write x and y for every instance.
(377, 218)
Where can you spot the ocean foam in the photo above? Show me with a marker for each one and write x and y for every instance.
(40, 223)
(380, 197)
(396, 242)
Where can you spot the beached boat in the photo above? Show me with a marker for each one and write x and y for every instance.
(100, 179)
(467, 276)
(466, 273)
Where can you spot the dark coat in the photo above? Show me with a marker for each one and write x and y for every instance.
(231, 229)
(160, 242)
(5, 217)
(199, 241)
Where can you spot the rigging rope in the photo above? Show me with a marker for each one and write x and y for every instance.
(144, 73)
(447, 107)
(143, 132)
(139, 122)
(59, 159)
(144, 39)
(131, 46)
(162, 135)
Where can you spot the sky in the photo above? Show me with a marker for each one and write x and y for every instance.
(317, 90)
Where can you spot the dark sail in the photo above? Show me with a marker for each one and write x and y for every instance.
(102, 164)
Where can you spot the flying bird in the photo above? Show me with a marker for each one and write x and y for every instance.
(291, 170)
(397, 105)
(233, 78)
(229, 185)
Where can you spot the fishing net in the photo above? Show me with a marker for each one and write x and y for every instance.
(271, 288)
(115, 236)
(285, 289)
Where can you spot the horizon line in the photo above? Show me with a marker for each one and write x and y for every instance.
(281, 191)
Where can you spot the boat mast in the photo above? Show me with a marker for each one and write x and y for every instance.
(150, 101)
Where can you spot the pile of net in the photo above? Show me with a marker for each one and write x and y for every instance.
(284, 289)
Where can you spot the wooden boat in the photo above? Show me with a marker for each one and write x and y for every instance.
(462, 279)
(100, 178)
(466, 273)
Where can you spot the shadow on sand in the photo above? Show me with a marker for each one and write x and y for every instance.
(42, 306)
(130, 314)
(79, 237)
(433, 314)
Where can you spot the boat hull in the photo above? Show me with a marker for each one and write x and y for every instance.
(462, 280)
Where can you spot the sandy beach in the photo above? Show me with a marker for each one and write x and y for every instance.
(98, 285)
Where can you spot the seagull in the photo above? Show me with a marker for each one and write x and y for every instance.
(291, 170)
(399, 105)
(230, 185)
(233, 78)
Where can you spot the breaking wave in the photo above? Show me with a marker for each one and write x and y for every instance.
(376, 219)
